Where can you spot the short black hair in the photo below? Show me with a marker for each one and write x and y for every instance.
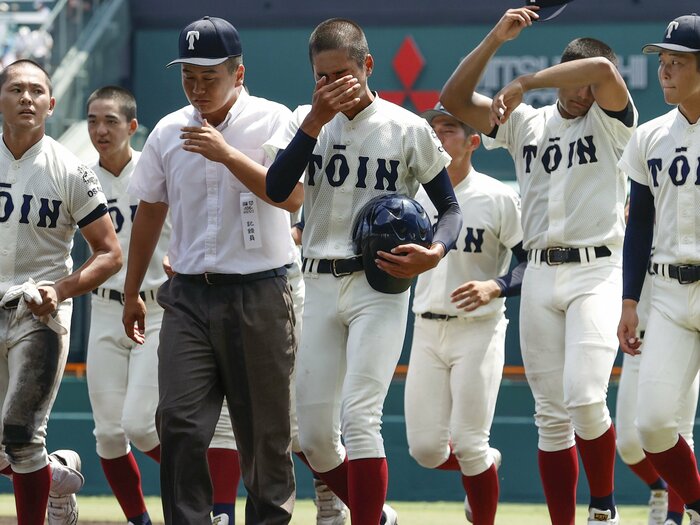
(24, 61)
(339, 33)
(232, 63)
(122, 96)
(587, 47)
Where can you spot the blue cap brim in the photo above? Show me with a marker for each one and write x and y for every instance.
(657, 48)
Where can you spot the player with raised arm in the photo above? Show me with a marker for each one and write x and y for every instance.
(458, 350)
(48, 194)
(573, 198)
(354, 147)
(661, 161)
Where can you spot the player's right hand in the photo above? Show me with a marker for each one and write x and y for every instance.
(627, 329)
(329, 99)
(134, 319)
(505, 101)
(513, 22)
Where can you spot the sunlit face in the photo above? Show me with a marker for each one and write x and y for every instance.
(452, 136)
(109, 128)
(25, 102)
(679, 77)
(575, 102)
(212, 90)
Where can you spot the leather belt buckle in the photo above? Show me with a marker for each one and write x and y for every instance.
(335, 271)
(560, 256)
(687, 274)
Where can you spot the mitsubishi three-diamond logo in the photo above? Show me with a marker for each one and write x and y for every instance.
(408, 64)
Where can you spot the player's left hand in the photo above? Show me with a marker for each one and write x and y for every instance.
(205, 140)
(627, 329)
(505, 101)
(408, 260)
(49, 301)
(471, 295)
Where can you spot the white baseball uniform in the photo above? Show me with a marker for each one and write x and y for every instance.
(663, 155)
(122, 375)
(44, 197)
(573, 196)
(456, 362)
(629, 446)
(352, 334)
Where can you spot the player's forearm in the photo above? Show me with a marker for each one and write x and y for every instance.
(145, 233)
(638, 240)
(99, 267)
(449, 224)
(459, 94)
(595, 71)
(284, 173)
(253, 176)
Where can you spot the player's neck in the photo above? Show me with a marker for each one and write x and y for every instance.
(116, 163)
(459, 169)
(20, 141)
(690, 109)
(365, 100)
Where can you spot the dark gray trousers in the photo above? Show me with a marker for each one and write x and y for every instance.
(233, 340)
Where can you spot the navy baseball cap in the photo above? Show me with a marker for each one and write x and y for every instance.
(682, 34)
(208, 41)
(548, 9)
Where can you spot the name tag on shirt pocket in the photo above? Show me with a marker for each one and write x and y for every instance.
(252, 236)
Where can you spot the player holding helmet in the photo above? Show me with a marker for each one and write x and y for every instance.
(356, 146)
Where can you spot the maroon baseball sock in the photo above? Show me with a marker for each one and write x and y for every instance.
(675, 502)
(225, 471)
(559, 473)
(645, 471)
(7, 471)
(337, 481)
(450, 464)
(598, 458)
(678, 467)
(124, 478)
(32, 495)
(367, 481)
(154, 454)
(482, 490)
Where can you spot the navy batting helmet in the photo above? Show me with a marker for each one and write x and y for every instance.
(383, 223)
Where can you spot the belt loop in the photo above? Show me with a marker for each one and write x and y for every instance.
(536, 257)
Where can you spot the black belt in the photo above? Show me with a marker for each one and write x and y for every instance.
(439, 317)
(684, 273)
(558, 255)
(337, 267)
(233, 278)
(116, 295)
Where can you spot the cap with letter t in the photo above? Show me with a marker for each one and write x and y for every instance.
(682, 35)
(548, 9)
(208, 41)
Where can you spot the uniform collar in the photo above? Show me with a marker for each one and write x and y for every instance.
(233, 112)
(367, 112)
(31, 152)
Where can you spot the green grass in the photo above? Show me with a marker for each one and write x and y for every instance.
(105, 508)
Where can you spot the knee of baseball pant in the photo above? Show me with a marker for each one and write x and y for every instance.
(658, 432)
(474, 457)
(590, 421)
(554, 434)
(142, 433)
(26, 458)
(629, 446)
(321, 448)
(362, 434)
(111, 446)
(428, 453)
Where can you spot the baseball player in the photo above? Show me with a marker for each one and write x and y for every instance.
(458, 349)
(122, 382)
(665, 505)
(572, 212)
(356, 147)
(661, 161)
(46, 195)
(228, 323)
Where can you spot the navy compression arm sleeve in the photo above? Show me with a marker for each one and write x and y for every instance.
(511, 282)
(638, 239)
(290, 163)
(449, 223)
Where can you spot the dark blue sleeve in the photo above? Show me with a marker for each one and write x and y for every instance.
(449, 224)
(511, 282)
(638, 240)
(288, 167)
